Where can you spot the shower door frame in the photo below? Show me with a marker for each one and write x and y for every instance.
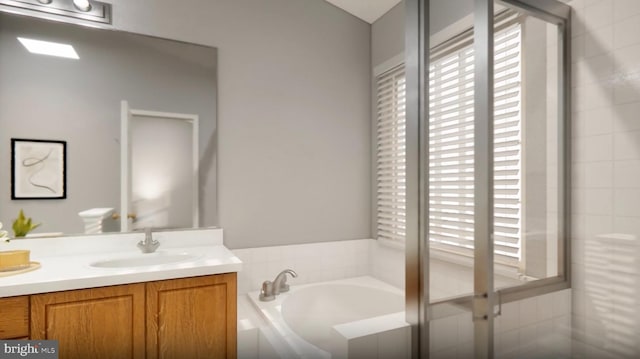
(418, 309)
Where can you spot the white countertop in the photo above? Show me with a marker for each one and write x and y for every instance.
(66, 261)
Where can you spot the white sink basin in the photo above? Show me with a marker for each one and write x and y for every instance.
(144, 260)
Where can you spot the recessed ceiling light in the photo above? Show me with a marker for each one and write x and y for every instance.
(82, 5)
(49, 48)
(45, 1)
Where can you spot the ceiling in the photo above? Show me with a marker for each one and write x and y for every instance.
(367, 10)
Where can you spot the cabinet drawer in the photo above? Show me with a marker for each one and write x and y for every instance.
(14, 321)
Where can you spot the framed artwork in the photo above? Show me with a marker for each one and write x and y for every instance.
(38, 169)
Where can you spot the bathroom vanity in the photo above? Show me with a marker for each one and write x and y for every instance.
(105, 304)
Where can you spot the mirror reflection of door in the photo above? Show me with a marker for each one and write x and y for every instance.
(161, 169)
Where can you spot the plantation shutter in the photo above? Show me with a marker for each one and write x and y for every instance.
(390, 155)
(451, 143)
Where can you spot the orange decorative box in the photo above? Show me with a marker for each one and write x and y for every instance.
(13, 260)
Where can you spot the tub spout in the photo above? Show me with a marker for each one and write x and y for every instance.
(270, 289)
(280, 283)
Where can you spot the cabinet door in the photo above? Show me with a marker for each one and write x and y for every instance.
(192, 317)
(105, 322)
(14, 317)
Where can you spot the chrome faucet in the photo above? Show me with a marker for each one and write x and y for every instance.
(271, 289)
(148, 245)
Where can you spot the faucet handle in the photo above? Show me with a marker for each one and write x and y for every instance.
(266, 293)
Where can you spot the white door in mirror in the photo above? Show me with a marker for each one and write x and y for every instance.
(159, 169)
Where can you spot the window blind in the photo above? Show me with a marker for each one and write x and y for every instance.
(390, 155)
(451, 143)
(451, 147)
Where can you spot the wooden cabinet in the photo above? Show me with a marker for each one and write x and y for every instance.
(14, 320)
(192, 318)
(103, 322)
(178, 318)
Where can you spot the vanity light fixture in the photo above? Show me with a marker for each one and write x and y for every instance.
(82, 5)
(49, 48)
(91, 13)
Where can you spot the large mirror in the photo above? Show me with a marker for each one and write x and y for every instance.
(78, 101)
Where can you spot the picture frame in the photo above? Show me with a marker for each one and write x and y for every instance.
(38, 169)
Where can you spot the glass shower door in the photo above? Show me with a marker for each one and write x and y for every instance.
(496, 176)
(530, 199)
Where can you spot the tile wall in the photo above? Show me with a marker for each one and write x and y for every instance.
(537, 327)
(315, 262)
(606, 176)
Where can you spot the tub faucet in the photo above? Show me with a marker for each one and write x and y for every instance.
(271, 289)
(148, 244)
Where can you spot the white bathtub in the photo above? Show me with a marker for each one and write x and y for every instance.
(324, 320)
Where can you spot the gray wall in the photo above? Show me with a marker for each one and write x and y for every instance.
(294, 116)
(445, 12)
(78, 101)
(387, 33)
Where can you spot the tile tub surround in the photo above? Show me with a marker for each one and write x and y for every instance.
(314, 262)
(387, 263)
(66, 260)
(324, 261)
(605, 175)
